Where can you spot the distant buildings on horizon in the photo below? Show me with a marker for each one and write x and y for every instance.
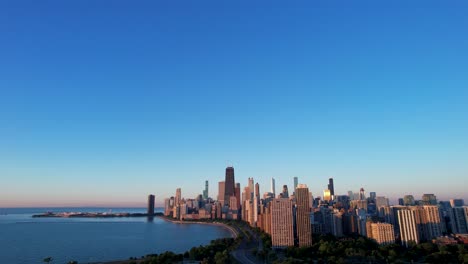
(292, 217)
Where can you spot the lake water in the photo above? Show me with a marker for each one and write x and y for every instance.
(28, 240)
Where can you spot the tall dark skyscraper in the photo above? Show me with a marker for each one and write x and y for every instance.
(205, 192)
(150, 210)
(331, 187)
(230, 184)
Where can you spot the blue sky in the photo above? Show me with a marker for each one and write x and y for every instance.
(104, 102)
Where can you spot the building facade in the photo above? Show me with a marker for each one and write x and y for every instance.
(282, 232)
(383, 233)
(303, 225)
(408, 226)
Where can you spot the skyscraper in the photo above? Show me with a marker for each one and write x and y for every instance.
(205, 192)
(256, 202)
(296, 181)
(285, 193)
(230, 185)
(331, 188)
(167, 206)
(251, 189)
(408, 226)
(238, 195)
(459, 220)
(273, 191)
(282, 232)
(304, 232)
(150, 208)
(432, 222)
(362, 194)
(221, 190)
(178, 197)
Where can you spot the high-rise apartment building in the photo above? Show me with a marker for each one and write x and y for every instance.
(459, 220)
(245, 203)
(337, 223)
(229, 185)
(303, 225)
(256, 202)
(221, 190)
(432, 222)
(383, 233)
(150, 208)
(408, 226)
(238, 195)
(282, 232)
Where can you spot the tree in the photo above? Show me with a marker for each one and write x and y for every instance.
(221, 257)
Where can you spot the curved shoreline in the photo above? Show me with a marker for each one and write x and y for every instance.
(231, 230)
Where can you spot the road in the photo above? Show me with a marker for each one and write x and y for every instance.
(243, 253)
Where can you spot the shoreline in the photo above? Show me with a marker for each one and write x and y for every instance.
(234, 233)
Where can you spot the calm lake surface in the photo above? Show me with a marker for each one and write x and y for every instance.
(24, 239)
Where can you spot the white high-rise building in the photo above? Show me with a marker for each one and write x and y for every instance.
(432, 222)
(408, 226)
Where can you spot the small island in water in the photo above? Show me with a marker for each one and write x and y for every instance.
(94, 214)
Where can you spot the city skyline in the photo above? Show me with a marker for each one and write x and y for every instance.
(102, 106)
(291, 219)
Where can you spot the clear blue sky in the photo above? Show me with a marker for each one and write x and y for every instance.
(104, 102)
